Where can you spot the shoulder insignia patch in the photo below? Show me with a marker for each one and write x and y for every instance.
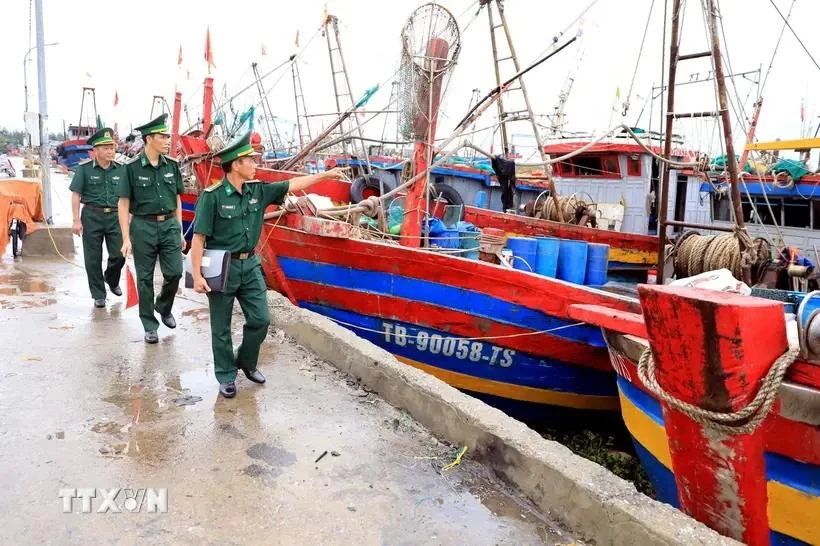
(212, 187)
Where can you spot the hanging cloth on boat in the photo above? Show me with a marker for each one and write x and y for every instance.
(505, 173)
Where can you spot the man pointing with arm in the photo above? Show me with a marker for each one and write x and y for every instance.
(229, 216)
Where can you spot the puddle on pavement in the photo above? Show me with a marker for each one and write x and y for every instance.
(25, 284)
(151, 430)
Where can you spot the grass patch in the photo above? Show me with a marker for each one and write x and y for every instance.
(602, 448)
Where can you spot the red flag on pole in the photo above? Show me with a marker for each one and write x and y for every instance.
(179, 55)
(116, 98)
(209, 54)
(132, 298)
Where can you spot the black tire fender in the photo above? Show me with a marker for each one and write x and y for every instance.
(371, 181)
(448, 193)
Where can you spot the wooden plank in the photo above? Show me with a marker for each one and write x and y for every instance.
(609, 318)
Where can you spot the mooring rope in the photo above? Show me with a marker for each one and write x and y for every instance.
(743, 421)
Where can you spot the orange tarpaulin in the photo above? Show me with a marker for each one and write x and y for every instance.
(20, 198)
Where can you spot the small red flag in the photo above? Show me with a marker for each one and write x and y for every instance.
(179, 56)
(132, 298)
(209, 54)
(116, 98)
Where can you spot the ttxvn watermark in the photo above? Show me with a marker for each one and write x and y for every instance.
(115, 500)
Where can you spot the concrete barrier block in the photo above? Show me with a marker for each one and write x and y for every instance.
(48, 240)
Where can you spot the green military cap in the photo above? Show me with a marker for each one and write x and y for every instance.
(103, 136)
(156, 125)
(236, 149)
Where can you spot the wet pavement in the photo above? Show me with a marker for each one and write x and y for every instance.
(310, 457)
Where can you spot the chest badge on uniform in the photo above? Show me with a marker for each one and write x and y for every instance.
(253, 201)
(95, 178)
(229, 207)
(115, 178)
(169, 175)
(144, 178)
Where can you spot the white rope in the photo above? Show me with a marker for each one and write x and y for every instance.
(446, 338)
(743, 421)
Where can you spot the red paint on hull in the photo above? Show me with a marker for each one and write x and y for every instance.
(550, 296)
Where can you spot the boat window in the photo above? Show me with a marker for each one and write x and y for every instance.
(797, 213)
(633, 165)
(601, 166)
(721, 208)
(764, 214)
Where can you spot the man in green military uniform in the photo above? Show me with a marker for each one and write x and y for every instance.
(96, 186)
(150, 192)
(229, 216)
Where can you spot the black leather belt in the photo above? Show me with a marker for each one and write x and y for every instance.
(101, 209)
(159, 217)
(242, 255)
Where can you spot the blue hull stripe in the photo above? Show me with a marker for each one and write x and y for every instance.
(508, 366)
(801, 476)
(457, 299)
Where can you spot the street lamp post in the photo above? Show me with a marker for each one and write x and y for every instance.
(25, 81)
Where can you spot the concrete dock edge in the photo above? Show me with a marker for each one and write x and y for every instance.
(586, 497)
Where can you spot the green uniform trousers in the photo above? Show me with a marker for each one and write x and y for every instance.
(152, 240)
(99, 226)
(246, 284)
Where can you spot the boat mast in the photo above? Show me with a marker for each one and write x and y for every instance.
(671, 115)
(341, 89)
(503, 115)
(45, 157)
(302, 124)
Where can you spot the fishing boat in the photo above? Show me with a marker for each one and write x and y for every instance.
(720, 388)
(500, 333)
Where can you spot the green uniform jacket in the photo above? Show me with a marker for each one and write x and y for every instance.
(231, 220)
(97, 186)
(152, 190)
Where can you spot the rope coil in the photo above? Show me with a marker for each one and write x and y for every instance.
(744, 421)
(695, 253)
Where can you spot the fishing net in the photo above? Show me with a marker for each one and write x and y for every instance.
(430, 46)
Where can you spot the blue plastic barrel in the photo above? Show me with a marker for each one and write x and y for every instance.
(448, 239)
(525, 251)
(481, 199)
(468, 240)
(572, 261)
(597, 264)
(546, 260)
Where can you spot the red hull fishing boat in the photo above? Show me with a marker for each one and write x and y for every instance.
(500, 333)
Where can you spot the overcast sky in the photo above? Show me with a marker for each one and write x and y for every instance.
(132, 48)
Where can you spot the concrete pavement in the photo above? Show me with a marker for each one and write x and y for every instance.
(84, 403)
